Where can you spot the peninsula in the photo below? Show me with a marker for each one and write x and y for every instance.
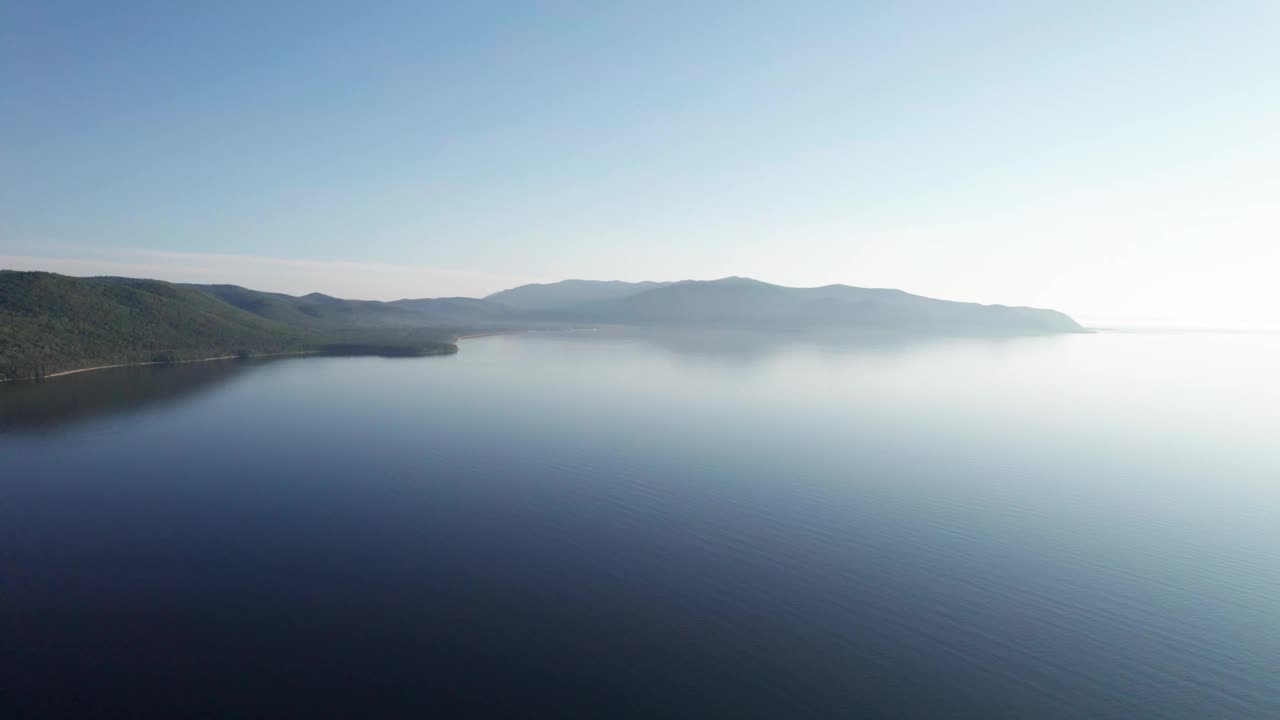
(53, 324)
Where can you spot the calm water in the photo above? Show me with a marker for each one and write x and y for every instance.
(1073, 527)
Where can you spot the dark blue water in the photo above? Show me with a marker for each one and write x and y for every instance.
(689, 526)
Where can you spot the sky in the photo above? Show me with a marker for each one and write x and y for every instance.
(1119, 160)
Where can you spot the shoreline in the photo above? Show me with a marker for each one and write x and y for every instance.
(64, 373)
(164, 362)
(454, 340)
(490, 333)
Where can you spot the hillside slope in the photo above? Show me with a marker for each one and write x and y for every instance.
(317, 311)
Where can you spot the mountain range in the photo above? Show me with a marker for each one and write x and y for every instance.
(736, 301)
(745, 302)
(54, 323)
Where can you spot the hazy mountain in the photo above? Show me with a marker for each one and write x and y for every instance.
(568, 294)
(738, 301)
(732, 301)
(458, 310)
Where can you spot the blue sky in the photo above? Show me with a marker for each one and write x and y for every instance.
(1116, 160)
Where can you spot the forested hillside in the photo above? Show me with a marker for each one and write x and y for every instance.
(52, 323)
(317, 311)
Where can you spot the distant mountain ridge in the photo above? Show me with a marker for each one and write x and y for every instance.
(736, 301)
(748, 302)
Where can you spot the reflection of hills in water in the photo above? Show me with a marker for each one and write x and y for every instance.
(35, 406)
(747, 347)
(51, 405)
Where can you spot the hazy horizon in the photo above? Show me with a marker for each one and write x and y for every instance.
(1114, 161)
(299, 287)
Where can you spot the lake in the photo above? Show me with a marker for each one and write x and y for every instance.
(654, 525)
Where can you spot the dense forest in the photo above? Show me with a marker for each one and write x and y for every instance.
(52, 323)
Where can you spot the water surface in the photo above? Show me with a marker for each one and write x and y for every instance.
(655, 526)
